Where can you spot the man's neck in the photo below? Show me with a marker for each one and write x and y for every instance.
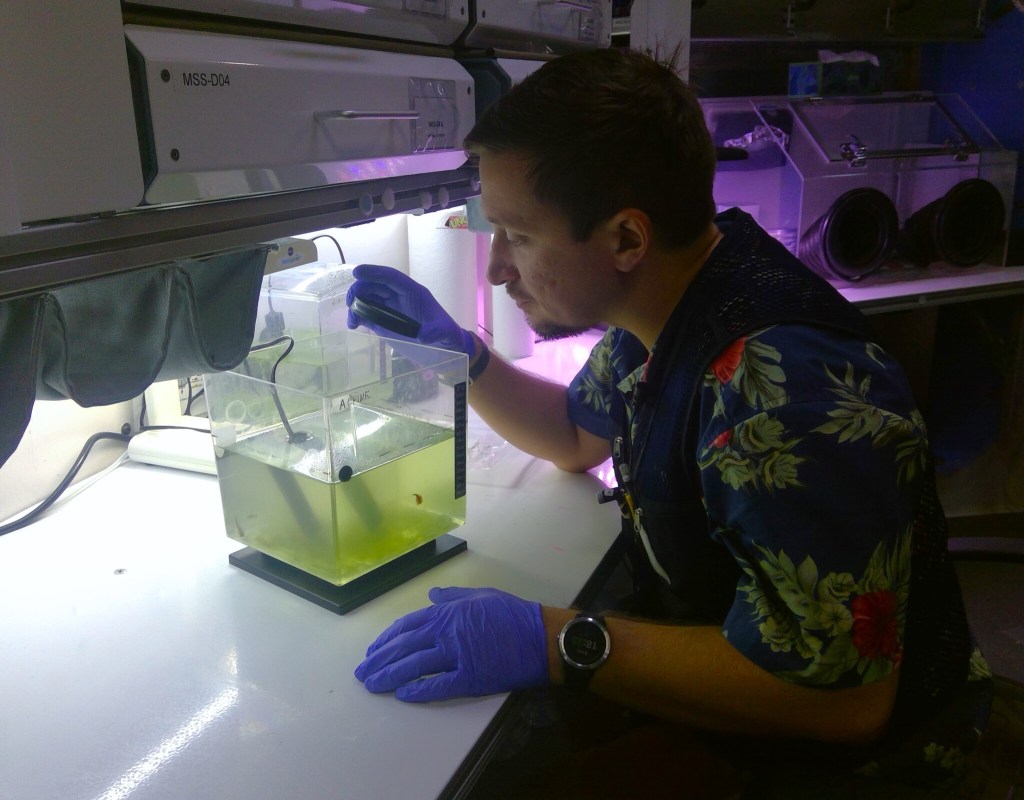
(660, 285)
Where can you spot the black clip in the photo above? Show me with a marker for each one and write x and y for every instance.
(641, 393)
(619, 496)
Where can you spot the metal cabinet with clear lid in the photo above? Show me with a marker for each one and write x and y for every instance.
(853, 184)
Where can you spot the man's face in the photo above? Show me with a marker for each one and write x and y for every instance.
(559, 284)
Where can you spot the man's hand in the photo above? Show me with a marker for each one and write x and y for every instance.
(388, 287)
(470, 642)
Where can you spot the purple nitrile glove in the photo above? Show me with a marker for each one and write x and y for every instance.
(471, 642)
(396, 290)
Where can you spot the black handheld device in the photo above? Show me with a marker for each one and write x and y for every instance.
(386, 317)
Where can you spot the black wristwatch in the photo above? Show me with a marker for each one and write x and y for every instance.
(584, 645)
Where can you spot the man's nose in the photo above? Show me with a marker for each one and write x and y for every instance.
(500, 268)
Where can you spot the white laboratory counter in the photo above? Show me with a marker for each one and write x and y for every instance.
(135, 662)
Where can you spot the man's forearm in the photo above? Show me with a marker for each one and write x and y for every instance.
(530, 412)
(693, 675)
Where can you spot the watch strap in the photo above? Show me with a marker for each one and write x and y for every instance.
(482, 360)
(576, 678)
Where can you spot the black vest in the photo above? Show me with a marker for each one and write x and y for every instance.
(751, 282)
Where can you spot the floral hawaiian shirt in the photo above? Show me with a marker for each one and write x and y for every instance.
(811, 456)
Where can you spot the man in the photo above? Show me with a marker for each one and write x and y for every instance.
(773, 467)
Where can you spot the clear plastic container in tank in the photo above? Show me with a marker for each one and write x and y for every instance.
(303, 302)
(340, 466)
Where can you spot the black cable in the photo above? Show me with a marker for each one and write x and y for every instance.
(273, 320)
(293, 436)
(62, 487)
(341, 253)
(188, 410)
(126, 436)
(192, 398)
(171, 428)
(36, 512)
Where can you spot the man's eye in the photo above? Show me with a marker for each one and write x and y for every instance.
(514, 241)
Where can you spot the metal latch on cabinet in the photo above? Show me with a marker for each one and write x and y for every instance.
(854, 151)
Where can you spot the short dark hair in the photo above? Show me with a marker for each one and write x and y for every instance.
(605, 130)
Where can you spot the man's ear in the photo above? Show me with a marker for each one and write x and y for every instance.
(631, 235)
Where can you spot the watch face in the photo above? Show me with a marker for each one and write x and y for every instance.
(585, 644)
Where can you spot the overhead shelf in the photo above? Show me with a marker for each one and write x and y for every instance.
(52, 255)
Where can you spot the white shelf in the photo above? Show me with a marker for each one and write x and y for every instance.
(938, 284)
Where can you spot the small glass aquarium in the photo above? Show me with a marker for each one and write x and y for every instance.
(338, 464)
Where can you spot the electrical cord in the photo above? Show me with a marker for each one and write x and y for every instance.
(126, 436)
(52, 499)
(188, 402)
(273, 320)
(192, 398)
(341, 253)
(293, 436)
(143, 427)
(37, 512)
(77, 488)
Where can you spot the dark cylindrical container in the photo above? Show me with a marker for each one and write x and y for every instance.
(960, 228)
(854, 237)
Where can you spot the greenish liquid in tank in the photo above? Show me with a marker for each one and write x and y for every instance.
(339, 531)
